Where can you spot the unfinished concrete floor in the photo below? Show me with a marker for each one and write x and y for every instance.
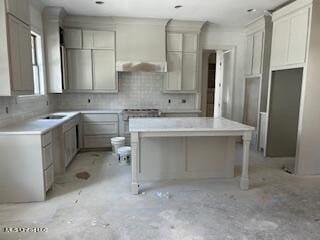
(278, 206)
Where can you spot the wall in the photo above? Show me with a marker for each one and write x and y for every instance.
(136, 90)
(215, 37)
(20, 108)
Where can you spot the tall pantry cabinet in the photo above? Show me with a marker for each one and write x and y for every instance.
(257, 67)
(295, 59)
(16, 76)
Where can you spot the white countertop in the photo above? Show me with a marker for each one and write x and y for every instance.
(181, 124)
(37, 125)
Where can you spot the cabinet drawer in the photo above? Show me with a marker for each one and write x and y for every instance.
(100, 117)
(100, 128)
(48, 178)
(97, 141)
(46, 139)
(47, 156)
(68, 125)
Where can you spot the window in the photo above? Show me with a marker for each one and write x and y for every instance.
(35, 64)
(38, 70)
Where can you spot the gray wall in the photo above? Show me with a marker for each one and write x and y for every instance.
(284, 113)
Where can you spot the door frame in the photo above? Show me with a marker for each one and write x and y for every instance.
(217, 108)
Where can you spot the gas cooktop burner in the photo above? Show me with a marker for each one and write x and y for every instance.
(134, 113)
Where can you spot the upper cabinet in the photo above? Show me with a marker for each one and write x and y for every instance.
(98, 39)
(19, 9)
(290, 37)
(16, 61)
(182, 60)
(72, 38)
(91, 60)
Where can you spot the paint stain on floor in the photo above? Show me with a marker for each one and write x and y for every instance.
(83, 175)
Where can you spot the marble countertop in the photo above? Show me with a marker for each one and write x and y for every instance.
(181, 111)
(37, 125)
(180, 124)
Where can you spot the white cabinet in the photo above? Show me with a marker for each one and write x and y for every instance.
(104, 75)
(99, 129)
(182, 62)
(20, 56)
(189, 70)
(280, 42)
(290, 36)
(79, 69)
(255, 44)
(72, 38)
(19, 9)
(190, 42)
(174, 42)
(173, 78)
(70, 145)
(258, 40)
(298, 37)
(98, 39)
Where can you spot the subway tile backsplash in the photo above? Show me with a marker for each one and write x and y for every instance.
(136, 90)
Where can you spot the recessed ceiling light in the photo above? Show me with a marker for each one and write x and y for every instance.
(99, 2)
(178, 6)
(251, 10)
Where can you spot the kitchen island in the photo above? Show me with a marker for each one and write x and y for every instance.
(186, 148)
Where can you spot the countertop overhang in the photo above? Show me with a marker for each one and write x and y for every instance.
(186, 124)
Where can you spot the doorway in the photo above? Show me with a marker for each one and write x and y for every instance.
(284, 109)
(217, 83)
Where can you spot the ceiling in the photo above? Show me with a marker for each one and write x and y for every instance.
(220, 12)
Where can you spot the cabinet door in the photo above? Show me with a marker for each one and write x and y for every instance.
(174, 42)
(67, 147)
(26, 71)
(249, 55)
(298, 37)
(257, 52)
(14, 41)
(98, 39)
(72, 38)
(173, 80)
(190, 42)
(79, 69)
(280, 42)
(104, 71)
(20, 9)
(189, 71)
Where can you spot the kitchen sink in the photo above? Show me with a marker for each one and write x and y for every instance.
(53, 117)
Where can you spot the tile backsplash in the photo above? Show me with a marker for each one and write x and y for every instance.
(136, 90)
(13, 109)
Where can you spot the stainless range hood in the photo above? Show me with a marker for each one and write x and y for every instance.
(141, 45)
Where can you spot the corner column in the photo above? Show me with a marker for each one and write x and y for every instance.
(135, 159)
(244, 180)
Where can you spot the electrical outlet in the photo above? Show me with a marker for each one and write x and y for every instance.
(47, 103)
(169, 101)
(7, 110)
(89, 100)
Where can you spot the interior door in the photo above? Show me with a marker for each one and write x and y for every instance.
(227, 87)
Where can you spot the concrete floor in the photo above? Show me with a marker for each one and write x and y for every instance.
(278, 206)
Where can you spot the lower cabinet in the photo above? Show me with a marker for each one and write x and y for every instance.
(98, 129)
(70, 145)
(47, 160)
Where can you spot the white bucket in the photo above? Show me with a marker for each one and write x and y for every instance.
(116, 143)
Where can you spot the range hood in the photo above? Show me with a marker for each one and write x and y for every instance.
(141, 45)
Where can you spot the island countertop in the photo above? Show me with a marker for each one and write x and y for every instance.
(183, 124)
